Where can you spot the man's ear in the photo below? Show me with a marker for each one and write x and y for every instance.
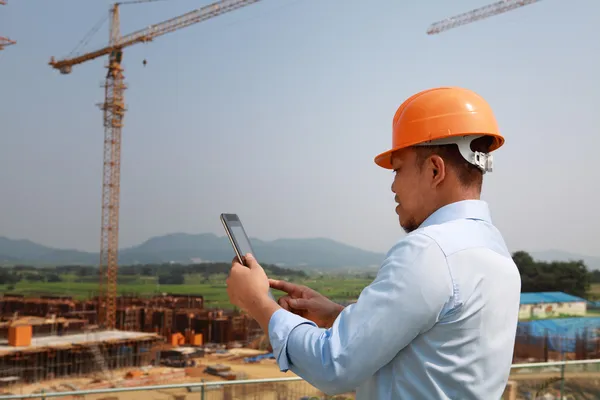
(437, 167)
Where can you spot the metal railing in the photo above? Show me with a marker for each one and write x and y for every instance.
(536, 376)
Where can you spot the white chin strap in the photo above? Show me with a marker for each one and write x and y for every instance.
(483, 161)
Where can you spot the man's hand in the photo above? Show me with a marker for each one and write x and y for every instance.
(248, 289)
(307, 303)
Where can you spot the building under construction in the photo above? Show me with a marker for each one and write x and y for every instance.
(52, 336)
(26, 357)
(164, 315)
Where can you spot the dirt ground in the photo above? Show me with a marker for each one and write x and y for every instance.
(234, 359)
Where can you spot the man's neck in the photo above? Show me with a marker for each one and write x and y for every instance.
(459, 195)
(454, 198)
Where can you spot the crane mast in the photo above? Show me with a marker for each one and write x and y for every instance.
(477, 14)
(114, 109)
(113, 114)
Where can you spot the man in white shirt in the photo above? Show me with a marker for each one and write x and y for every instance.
(439, 320)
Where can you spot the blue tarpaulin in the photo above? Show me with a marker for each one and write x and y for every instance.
(259, 357)
(562, 332)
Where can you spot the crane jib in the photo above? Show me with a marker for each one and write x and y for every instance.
(156, 30)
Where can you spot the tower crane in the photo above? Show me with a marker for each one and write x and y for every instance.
(113, 109)
(477, 14)
(3, 40)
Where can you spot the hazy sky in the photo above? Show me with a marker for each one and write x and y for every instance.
(276, 111)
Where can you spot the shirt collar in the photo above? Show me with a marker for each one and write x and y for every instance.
(465, 209)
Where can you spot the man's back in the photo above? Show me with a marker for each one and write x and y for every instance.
(467, 353)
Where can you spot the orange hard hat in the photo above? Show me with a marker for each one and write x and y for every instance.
(442, 116)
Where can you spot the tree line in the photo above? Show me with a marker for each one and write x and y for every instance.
(571, 277)
(167, 273)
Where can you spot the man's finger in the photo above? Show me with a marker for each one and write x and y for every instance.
(299, 304)
(284, 302)
(283, 286)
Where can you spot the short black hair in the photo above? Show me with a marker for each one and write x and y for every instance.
(468, 174)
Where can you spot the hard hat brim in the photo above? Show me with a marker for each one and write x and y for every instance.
(384, 160)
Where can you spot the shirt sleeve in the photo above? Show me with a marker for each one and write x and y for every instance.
(410, 290)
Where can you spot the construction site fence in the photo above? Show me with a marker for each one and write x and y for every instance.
(560, 379)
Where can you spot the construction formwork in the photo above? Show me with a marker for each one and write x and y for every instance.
(170, 300)
(36, 306)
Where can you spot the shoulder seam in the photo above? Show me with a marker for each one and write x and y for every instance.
(420, 252)
(423, 233)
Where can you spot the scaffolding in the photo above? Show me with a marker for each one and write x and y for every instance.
(90, 353)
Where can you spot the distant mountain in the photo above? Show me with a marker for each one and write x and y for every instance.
(26, 251)
(558, 255)
(186, 248)
(315, 253)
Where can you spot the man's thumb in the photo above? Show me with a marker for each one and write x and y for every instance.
(299, 304)
(250, 260)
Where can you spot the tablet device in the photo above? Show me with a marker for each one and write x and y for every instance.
(238, 238)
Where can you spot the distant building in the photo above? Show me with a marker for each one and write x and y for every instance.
(541, 305)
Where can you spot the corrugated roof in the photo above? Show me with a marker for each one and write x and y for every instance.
(548, 297)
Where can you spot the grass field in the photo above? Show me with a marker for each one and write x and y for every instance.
(338, 288)
(213, 289)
